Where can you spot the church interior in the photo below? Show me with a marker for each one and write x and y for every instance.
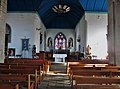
(38, 24)
(57, 44)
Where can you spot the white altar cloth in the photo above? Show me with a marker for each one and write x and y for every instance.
(59, 57)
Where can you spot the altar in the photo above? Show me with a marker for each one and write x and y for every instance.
(59, 57)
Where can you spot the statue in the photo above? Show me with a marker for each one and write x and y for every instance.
(34, 51)
(88, 52)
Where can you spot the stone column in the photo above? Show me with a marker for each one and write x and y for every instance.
(114, 31)
(3, 11)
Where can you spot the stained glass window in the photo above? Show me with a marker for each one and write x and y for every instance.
(60, 41)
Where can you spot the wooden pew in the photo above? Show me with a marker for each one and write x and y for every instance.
(105, 73)
(23, 66)
(94, 61)
(10, 60)
(111, 68)
(44, 63)
(95, 80)
(28, 66)
(44, 66)
(35, 68)
(93, 73)
(31, 72)
(94, 67)
(17, 79)
(98, 87)
(75, 63)
(8, 86)
(84, 68)
(84, 62)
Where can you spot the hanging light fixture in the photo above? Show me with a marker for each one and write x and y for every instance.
(61, 7)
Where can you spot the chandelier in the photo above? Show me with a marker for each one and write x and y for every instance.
(61, 8)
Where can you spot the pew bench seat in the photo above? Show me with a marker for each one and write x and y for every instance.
(8, 85)
(21, 80)
(81, 80)
(98, 87)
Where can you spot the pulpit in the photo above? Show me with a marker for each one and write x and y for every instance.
(59, 57)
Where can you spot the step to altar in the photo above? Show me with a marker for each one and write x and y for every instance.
(58, 67)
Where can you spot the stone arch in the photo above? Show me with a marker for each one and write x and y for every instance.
(8, 32)
(70, 42)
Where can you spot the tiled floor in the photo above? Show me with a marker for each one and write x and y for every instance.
(55, 81)
(56, 78)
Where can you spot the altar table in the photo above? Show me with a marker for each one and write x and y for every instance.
(59, 57)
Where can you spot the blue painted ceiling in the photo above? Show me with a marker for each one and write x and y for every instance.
(58, 20)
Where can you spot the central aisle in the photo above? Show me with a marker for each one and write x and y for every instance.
(56, 78)
(55, 81)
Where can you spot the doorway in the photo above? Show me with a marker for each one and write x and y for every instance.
(7, 38)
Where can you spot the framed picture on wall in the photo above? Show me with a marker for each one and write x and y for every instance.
(25, 44)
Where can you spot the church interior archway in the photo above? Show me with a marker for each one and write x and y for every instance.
(7, 38)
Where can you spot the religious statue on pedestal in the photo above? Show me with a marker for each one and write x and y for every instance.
(33, 51)
(88, 52)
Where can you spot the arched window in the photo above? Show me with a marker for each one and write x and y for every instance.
(60, 41)
(49, 42)
(70, 43)
(8, 32)
(41, 35)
